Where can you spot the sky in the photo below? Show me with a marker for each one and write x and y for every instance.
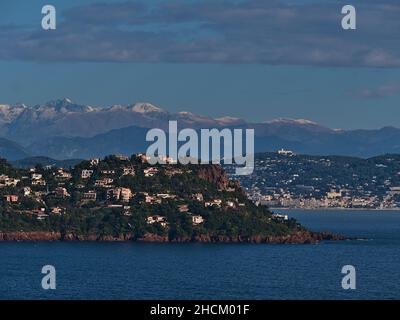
(253, 59)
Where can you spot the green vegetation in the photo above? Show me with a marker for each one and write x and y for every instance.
(120, 196)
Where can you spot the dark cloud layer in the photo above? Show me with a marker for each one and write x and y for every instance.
(213, 31)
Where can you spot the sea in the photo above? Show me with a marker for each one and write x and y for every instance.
(90, 270)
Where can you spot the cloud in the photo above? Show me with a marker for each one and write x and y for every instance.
(215, 31)
(383, 91)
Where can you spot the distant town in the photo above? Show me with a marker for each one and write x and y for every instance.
(283, 179)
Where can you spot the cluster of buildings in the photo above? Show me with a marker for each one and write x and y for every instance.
(6, 181)
(288, 200)
(54, 190)
(196, 220)
(284, 179)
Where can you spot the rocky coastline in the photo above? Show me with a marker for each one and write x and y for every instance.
(300, 237)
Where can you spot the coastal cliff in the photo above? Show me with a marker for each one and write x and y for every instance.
(214, 175)
(301, 237)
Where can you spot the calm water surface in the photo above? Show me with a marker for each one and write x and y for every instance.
(216, 271)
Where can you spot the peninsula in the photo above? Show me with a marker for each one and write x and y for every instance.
(121, 198)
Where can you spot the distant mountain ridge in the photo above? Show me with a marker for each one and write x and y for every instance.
(12, 150)
(68, 119)
(63, 129)
(44, 161)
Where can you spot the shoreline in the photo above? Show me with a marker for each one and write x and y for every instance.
(335, 209)
(299, 237)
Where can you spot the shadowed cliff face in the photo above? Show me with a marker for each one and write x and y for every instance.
(299, 237)
(214, 174)
(30, 236)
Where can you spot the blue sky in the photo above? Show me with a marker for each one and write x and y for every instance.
(253, 59)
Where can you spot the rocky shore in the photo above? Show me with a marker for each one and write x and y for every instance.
(300, 237)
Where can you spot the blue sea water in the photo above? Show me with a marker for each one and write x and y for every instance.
(216, 271)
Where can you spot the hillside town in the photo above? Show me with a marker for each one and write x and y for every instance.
(130, 186)
(122, 198)
(285, 180)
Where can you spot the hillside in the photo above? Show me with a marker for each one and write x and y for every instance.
(121, 198)
(307, 181)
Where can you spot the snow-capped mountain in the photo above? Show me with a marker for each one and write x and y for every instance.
(146, 108)
(64, 117)
(9, 113)
(291, 121)
(64, 129)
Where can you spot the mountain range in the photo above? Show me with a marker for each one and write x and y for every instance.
(63, 129)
